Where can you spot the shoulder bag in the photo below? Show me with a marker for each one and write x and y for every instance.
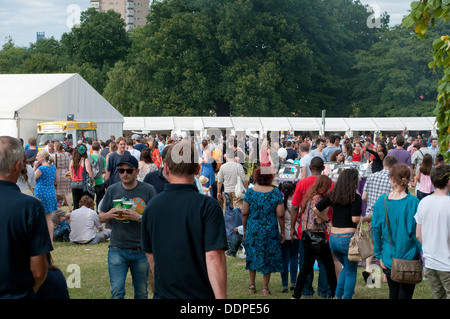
(88, 184)
(403, 271)
(361, 245)
(239, 189)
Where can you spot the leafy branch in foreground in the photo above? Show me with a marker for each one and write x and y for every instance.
(423, 15)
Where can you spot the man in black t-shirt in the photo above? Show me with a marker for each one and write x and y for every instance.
(24, 235)
(183, 234)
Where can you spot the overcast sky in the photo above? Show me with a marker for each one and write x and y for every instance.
(21, 19)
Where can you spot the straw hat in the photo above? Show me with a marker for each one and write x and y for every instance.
(203, 179)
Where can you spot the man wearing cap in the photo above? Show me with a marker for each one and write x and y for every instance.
(111, 175)
(138, 145)
(125, 250)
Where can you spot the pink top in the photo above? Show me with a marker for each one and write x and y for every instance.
(426, 186)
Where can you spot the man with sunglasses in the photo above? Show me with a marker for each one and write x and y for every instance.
(125, 250)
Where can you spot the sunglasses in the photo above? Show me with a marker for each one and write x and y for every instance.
(128, 170)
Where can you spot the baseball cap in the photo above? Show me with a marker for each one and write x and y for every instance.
(135, 137)
(130, 160)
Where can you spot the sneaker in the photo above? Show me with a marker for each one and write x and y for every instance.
(228, 254)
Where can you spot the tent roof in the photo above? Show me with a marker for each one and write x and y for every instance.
(313, 124)
(418, 123)
(18, 90)
(53, 96)
(305, 124)
(361, 124)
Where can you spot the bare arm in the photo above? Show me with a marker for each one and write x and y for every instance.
(217, 272)
(151, 262)
(419, 232)
(322, 216)
(294, 214)
(244, 214)
(365, 196)
(280, 217)
(39, 268)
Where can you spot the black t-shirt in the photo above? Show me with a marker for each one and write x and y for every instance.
(23, 234)
(179, 226)
(114, 176)
(342, 215)
(156, 179)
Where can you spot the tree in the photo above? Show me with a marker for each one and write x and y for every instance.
(423, 15)
(100, 39)
(248, 57)
(393, 78)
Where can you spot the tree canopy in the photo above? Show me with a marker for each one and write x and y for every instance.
(243, 58)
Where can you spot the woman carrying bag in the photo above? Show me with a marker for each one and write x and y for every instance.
(394, 229)
(314, 222)
(346, 204)
(78, 165)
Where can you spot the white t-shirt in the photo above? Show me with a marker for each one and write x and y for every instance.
(82, 222)
(433, 214)
(305, 161)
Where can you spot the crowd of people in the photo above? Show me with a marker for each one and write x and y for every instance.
(164, 201)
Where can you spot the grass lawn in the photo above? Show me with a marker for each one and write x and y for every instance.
(94, 279)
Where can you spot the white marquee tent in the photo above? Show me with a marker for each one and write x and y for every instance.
(348, 126)
(29, 99)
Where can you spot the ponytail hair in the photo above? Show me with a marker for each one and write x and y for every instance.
(287, 188)
(400, 173)
(46, 155)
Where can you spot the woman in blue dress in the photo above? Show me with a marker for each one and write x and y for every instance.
(45, 173)
(207, 166)
(262, 210)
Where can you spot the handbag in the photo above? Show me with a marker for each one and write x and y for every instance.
(88, 184)
(361, 245)
(239, 189)
(314, 240)
(403, 271)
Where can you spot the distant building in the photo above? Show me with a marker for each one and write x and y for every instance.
(40, 35)
(134, 12)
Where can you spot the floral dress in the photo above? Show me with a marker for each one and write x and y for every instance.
(262, 235)
(45, 189)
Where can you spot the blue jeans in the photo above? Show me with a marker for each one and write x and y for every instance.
(119, 260)
(289, 252)
(347, 279)
(323, 289)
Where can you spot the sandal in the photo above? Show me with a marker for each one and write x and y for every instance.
(266, 291)
(252, 289)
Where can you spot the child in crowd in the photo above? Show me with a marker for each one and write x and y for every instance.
(206, 190)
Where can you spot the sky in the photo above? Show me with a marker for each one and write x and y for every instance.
(22, 19)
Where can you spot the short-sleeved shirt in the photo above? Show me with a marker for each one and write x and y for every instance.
(112, 166)
(127, 235)
(434, 216)
(376, 185)
(179, 226)
(228, 174)
(157, 179)
(23, 234)
(402, 156)
(342, 214)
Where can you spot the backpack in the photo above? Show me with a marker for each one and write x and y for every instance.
(97, 166)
